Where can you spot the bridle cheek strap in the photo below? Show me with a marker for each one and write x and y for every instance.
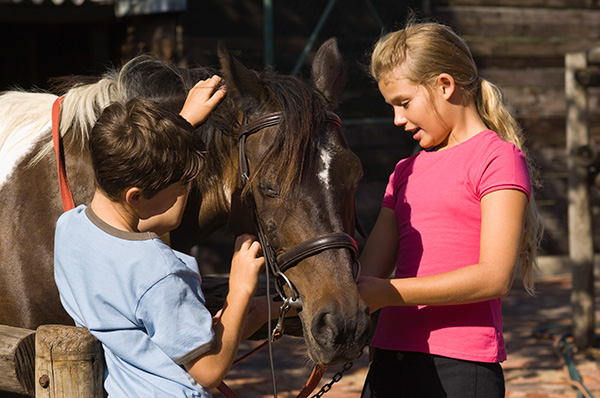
(65, 190)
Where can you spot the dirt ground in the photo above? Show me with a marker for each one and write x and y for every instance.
(533, 368)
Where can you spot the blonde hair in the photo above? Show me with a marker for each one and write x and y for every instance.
(423, 51)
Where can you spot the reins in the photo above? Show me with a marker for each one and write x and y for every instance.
(65, 190)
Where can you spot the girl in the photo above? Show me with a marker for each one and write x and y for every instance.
(457, 219)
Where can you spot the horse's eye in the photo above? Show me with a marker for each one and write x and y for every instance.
(269, 191)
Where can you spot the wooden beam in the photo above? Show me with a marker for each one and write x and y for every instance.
(520, 3)
(17, 357)
(524, 22)
(581, 245)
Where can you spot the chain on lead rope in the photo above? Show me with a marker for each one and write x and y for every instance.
(336, 377)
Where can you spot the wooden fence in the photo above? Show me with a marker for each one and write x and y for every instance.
(55, 361)
(61, 361)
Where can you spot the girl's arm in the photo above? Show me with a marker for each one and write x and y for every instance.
(380, 253)
(502, 217)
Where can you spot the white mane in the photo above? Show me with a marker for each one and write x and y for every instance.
(26, 117)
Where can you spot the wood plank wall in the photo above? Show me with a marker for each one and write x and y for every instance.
(520, 46)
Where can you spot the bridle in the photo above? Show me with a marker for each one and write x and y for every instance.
(277, 265)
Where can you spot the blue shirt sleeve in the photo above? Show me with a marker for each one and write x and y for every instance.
(175, 318)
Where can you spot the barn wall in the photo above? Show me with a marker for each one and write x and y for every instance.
(520, 46)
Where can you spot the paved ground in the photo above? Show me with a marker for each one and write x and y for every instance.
(533, 369)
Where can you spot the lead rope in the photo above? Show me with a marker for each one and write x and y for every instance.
(270, 336)
(65, 190)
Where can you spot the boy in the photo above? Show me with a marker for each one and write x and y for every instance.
(141, 299)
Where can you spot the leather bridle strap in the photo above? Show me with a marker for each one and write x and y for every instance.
(255, 126)
(309, 248)
(313, 246)
(293, 256)
(65, 190)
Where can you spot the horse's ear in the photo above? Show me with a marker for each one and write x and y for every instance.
(242, 83)
(329, 71)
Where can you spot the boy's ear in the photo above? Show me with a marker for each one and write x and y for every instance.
(133, 196)
(446, 85)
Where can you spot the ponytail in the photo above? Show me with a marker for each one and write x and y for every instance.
(497, 117)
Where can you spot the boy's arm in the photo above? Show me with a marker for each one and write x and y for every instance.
(211, 368)
(202, 99)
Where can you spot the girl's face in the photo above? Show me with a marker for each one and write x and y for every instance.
(415, 110)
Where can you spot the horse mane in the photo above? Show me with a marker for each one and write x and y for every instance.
(25, 115)
(294, 150)
(144, 76)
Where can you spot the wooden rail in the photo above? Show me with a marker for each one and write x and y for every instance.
(56, 361)
(61, 361)
(17, 357)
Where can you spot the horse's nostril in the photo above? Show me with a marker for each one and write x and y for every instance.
(324, 329)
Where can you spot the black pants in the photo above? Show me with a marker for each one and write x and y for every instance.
(402, 374)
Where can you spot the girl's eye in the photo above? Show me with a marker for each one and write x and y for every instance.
(404, 104)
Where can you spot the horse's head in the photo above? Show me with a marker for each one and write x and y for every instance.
(301, 180)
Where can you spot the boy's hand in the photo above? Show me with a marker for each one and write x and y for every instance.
(245, 266)
(202, 99)
(258, 314)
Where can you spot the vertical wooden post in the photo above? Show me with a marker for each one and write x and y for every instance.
(69, 363)
(581, 247)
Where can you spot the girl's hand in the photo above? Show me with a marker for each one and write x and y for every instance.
(372, 290)
(202, 100)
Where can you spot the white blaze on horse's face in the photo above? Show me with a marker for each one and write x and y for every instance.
(227, 189)
(324, 173)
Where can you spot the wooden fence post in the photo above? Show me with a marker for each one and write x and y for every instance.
(69, 363)
(17, 357)
(581, 246)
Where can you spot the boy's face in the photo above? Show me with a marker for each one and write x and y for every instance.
(162, 201)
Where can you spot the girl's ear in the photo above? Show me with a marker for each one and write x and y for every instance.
(446, 85)
(133, 196)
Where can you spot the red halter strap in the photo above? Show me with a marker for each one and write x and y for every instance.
(310, 386)
(65, 189)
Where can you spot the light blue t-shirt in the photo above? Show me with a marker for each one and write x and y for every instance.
(140, 298)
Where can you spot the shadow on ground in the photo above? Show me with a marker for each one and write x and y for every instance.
(532, 370)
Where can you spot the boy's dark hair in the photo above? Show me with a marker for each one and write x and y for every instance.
(140, 144)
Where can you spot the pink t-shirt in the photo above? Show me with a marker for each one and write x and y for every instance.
(436, 199)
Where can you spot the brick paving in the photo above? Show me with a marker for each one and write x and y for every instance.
(532, 370)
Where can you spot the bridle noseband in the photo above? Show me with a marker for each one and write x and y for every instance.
(277, 265)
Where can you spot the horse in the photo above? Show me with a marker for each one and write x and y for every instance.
(277, 164)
